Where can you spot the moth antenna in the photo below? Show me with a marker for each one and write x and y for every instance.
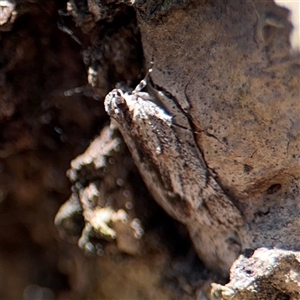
(144, 81)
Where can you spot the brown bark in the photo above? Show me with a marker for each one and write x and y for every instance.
(230, 68)
(225, 164)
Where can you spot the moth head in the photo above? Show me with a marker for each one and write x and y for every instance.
(115, 102)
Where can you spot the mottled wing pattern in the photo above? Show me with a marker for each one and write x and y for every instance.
(169, 160)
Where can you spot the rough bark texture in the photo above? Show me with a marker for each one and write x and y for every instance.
(214, 136)
(263, 274)
(230, 69)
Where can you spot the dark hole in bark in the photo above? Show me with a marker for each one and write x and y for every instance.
(247, 168)
(248, 253)
(268, 33)
(249, 272)
(262, 213)
(282, 296)
(274, 188)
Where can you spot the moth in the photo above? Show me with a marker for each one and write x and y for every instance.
(160, 138)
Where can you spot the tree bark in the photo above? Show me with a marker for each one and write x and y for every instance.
(229, 70)
(213, 129)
